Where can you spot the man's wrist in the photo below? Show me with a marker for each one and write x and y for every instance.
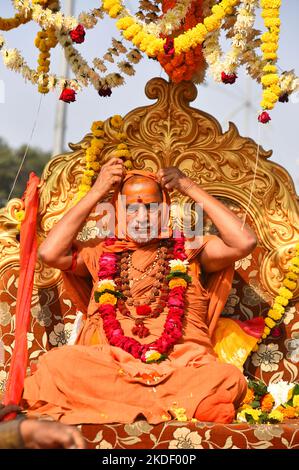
(186, 184)
(97, 194)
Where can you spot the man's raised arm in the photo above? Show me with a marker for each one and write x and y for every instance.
(55, 250)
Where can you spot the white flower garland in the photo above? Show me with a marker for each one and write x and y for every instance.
(170, 22)
(45, 17)
(14, 60)
(243, 34)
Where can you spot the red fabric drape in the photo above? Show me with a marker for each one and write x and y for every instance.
(28, 254)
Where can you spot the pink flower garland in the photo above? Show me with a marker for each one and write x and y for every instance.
(172, 332)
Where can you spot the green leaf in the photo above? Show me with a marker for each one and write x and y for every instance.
(255, 404)
(259, 387)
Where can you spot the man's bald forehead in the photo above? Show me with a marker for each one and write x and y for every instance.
(139, 180)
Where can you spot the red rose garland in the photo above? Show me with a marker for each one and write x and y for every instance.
(107, 296)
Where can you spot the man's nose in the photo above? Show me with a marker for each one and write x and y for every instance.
(141, 215)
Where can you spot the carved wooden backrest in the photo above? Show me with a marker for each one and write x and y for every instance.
(169, 133)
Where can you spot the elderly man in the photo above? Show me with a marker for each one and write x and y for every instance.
(145, 344)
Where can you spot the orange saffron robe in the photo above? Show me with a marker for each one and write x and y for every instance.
(93, 382)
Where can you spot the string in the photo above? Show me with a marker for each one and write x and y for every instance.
(255, 170)
(27, 148)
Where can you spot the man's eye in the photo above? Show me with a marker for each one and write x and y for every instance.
(153, 208)
(131, 209)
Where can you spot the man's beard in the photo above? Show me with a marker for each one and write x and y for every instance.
(142, 235)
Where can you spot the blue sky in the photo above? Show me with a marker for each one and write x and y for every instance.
(19, 100)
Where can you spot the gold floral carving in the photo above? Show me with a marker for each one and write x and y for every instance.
(172, 133)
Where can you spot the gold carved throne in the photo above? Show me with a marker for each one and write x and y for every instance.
(169, 133)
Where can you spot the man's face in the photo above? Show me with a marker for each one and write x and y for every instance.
(143, 217)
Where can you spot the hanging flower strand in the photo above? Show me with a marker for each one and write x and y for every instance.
(270, 39)
(285, 294)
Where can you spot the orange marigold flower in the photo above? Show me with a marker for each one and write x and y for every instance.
(289, 412)
(267, 402)
(249, 396)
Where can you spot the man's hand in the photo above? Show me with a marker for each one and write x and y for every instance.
(173, 178)
(50, 435)
(110, 176)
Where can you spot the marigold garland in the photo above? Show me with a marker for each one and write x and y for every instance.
(6, 24)
(152, 45)
(270, 39)
(106, 295)
(45, 41)
(285, 294)
(184, 65)
(178, 55)
(97, 144)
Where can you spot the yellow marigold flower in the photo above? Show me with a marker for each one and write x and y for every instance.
(96, 125)
(121, 153)
(20, 215)
(281, 300)
(212, 22)
(270, 79)
(271, 22)
(124, 23)
(121, 136)
(267, 105)
(270, 68)
(107, 4)
(267, 402)
(249, 397)
(175, 282)
(84, 188)
(137, 40)
(128, 165)
(284, 292)
(291, 275)
(90, 157)
(270, 3)
(269, 96)
(267, 330)
(254, 413)
(114, 11)
(294, 269)
(131, 31)
(179, 267)
(152, 355)
(218, 11)
(277, 415)
(274, 314)
(97, 144)
(116, 121)
(269, 322)
(269, 47)
(89, 173)
(295, 260)
(95, 166)
(269, 37)
(122, 147)
(269, 56)
(296, 400)
(275, 89)
(105, 285)
(108, 299)
(86, 181)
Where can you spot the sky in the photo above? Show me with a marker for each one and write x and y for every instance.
(238, 103)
